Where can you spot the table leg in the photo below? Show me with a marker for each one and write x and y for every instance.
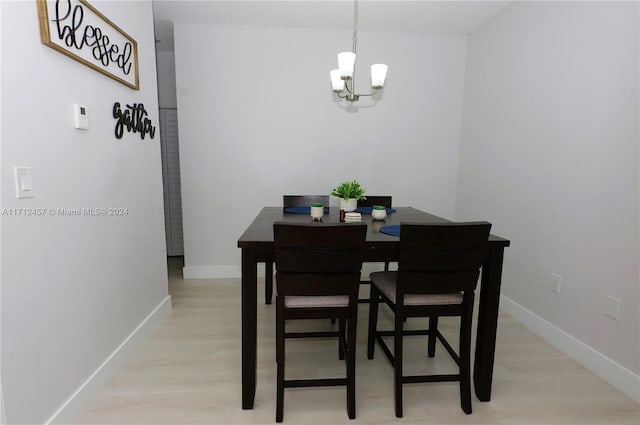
(487, 323)
(268, 281)
(249, 326)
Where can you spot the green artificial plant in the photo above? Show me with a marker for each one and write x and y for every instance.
(347, 190)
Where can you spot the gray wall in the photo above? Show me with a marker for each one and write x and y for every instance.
(76, 290)
(550, 155)
(258, 120)
(166, 64)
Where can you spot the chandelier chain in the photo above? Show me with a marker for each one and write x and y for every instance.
(356, 13)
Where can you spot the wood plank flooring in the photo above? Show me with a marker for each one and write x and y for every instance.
(188, 372)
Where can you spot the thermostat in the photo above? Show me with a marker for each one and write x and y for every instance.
(80, 117)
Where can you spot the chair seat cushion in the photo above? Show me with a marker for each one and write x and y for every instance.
(386, 283)
(316, 301)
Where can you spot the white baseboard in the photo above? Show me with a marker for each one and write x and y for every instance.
(617, 375)
(75, 406)
(3, 416)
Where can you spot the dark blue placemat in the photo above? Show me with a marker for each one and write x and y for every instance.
(302, 210)
(367, 210)
(393, 230)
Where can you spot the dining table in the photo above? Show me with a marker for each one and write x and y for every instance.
(257, 246)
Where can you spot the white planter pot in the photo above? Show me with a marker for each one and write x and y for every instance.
(317, 212)
(379, 214)
(349, 205)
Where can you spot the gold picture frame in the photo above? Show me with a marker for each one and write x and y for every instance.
(79, 31)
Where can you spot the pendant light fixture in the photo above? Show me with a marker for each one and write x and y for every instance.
(343, 78)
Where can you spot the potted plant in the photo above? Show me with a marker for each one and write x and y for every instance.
(378, 212)
(349, 194)
(317, 211)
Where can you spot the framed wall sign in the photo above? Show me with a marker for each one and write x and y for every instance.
(78, 30)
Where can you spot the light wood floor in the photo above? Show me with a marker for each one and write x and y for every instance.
(188, 372)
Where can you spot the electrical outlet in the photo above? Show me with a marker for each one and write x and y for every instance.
(613, 307)
(556, 283)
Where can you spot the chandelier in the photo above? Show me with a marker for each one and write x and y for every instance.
(343, 78)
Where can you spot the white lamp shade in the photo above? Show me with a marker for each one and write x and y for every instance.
(378, 75)
(346, 63)
(337, 83)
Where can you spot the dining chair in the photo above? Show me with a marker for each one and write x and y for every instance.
(288, 201)
(317, 276)
(385, 201)
(438, 269)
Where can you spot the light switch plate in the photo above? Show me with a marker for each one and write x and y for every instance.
(556, 283)
(24, 182)
(612, 308)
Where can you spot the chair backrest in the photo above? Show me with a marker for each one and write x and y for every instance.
(441, 258)
(318, 258)
(385, 201)
(304, 200)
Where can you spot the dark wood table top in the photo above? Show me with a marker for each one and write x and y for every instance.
(259, 234)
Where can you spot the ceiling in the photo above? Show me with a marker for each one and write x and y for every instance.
(442, 17)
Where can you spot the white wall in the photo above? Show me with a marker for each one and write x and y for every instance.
(3, 415)
(258, 120)
(549, 154)
(75, 288)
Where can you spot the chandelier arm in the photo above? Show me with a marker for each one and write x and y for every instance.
(370, 94)
(346, 86)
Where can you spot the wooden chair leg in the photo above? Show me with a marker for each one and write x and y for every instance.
(373, 319)
(280, 348)
(341, 338)
(465, 357)
(268, 281)
(351, 366)
(397, 363)
(433, 329)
